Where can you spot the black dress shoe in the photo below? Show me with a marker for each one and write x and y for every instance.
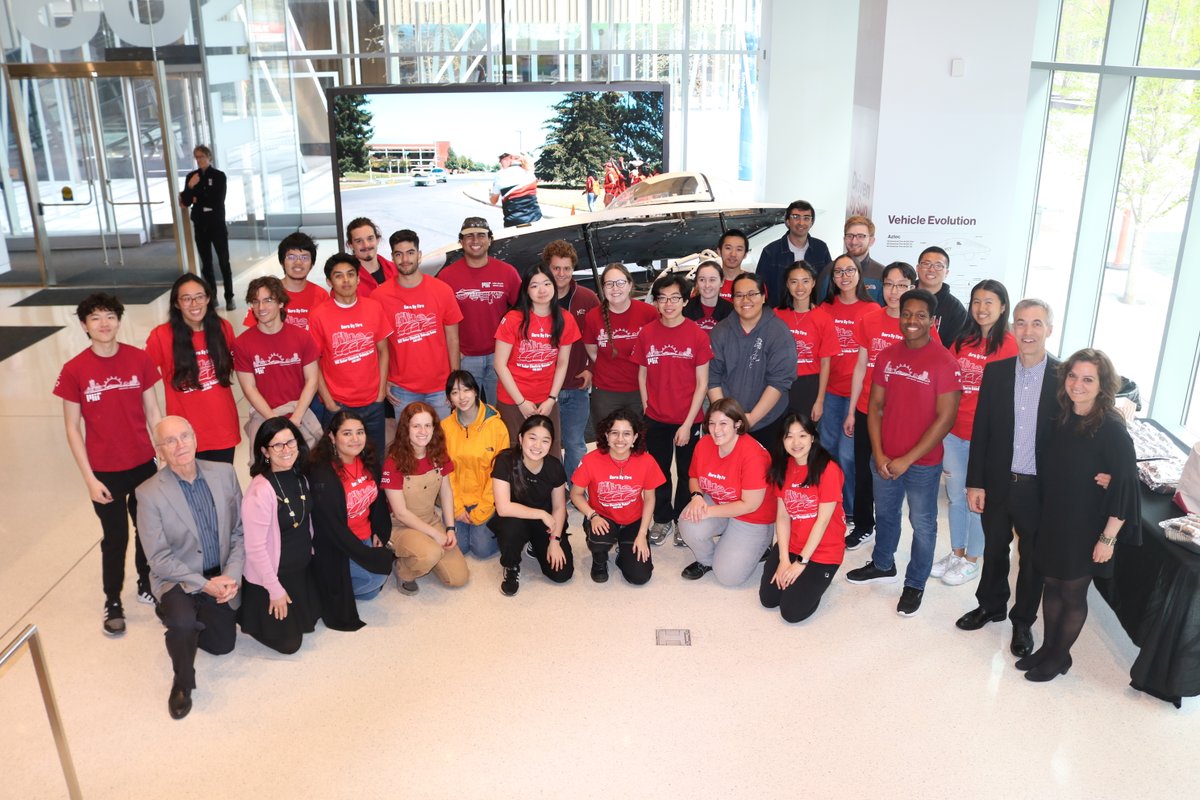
(1022, 641)
(695, 571)
(179, 702)
(1043, 672)
(974, 620)
(229, 304)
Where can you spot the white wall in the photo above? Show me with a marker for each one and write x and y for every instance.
(950, 147)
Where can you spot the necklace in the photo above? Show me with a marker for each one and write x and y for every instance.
(287, 501)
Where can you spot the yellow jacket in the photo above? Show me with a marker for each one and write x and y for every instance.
(472, 448)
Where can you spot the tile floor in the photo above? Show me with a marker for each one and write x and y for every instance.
(557, 692)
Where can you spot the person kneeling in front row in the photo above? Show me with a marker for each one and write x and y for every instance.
(810, 526)
(614, 490)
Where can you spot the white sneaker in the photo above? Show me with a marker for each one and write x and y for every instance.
(962, 572)
(943, 565)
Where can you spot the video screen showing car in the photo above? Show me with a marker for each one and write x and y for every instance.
(427, 157)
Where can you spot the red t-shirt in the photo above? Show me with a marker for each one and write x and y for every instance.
(875, 332)
(614, 488)
(392, 479)
(300, 305)
(913, 379)
(418, 356)
(841, 366)
(726, 292)
(803, 503)
(485, 294)
(109, 393)
(366, 281)
(533, 359)
(361, 491)
(211, 408)
(971, 361)
(346, 338)
(814, 335)
(724, 479)
(670, 356)
(708, 320)
(277, 361)
(614, 372)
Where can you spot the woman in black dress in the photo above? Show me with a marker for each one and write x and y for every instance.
(279, 594)
(1081, 519)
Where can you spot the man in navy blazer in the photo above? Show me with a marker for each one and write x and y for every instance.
(795, 245)
(1013, 421)
(190, 524)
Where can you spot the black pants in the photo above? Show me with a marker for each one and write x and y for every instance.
(1021, 510)
(222, 456)
(513, 534)
(603, 402)
(864, 484)
(797, 602)
(768, 435)
(660, 443)
(195, 620)
(114, 522)
(803, 394)
(634, 571)
(212, 236)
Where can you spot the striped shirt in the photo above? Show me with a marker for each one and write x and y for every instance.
(1027, 394)
(204, 512)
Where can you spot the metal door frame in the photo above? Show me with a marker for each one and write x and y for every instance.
(89, 70)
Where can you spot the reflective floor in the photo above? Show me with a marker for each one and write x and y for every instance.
(557, 692)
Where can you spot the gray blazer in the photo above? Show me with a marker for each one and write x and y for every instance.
(169, 536)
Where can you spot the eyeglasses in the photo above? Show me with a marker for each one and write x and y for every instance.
(936, 265)
(620, 283)
(620, 434)
(193, 299)
(297, 258)
(670, 300)
(800, 217)
(894, 286)
(279, 447)
(842, 273)
(747, 295)
(856, 237)
(265, 301)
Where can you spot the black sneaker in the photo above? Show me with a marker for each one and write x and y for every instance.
(695, 571)
(910, 601)
(872, 574)
(600, 567)
(114, 619)
(144, 595)
(511, 582)
(856, 538)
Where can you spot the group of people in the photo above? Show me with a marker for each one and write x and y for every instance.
(798, 419)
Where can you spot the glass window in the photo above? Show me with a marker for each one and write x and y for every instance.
(1192, 421)
(1149, 217)
(1081, 31)
(1171, 37)
(1060, 187)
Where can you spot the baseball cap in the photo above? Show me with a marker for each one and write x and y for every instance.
(475, 225)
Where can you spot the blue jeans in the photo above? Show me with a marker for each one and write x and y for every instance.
(966, 527)
(483, 370)
(476, 539)
(573, 411)
(400, 397)
(365, 585)
(839, 445)
(920, 485)
(372, 417)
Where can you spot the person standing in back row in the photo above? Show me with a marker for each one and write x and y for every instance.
(204, 192)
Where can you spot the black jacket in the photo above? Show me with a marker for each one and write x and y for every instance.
(207, 199)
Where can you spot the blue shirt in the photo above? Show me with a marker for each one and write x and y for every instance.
(204, 512)
(1027, 393)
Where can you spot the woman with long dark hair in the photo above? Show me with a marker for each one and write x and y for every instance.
(983, 339)
(193, 352)
(816, 340)
(533, 346)
(530, 487)
(1081, 521)
(417, 484)
(609, 334)
(280, 602)
(614, 490)
(810, 528)
(351, 523)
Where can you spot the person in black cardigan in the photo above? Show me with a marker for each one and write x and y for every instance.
(344, 465)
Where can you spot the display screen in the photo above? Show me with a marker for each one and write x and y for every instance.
(428, 157)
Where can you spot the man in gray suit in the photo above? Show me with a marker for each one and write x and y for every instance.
(190, 524)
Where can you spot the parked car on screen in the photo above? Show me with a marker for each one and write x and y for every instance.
(439, 174)
(422, 179)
